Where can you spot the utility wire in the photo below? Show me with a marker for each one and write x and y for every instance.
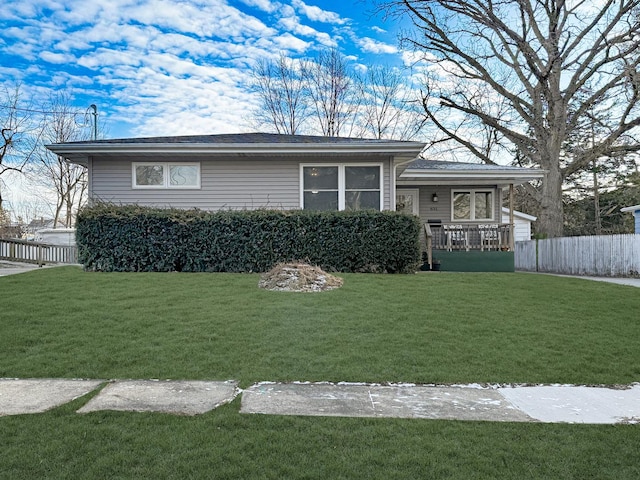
(49, 112)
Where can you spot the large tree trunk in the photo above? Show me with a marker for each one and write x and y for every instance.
(551, 220)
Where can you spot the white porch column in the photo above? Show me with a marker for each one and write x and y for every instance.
(512, 226)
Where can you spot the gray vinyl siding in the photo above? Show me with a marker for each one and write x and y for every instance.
(233, 183)
(441, 210)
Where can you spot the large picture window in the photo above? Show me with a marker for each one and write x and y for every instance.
(166, 175)
(341, 187)
(472, 205)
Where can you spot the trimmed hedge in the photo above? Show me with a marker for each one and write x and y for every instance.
(142, 239)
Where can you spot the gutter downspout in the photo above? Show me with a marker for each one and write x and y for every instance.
(393, 182)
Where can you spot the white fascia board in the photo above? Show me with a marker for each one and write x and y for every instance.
(432, 177)
(518, 214)
(393, 148)
(630, 209)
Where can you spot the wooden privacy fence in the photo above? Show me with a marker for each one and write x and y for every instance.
(39, 253)
(601, 255)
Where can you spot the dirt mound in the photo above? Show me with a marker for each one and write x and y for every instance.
(298, 277)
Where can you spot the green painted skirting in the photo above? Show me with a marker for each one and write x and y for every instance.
(474, 261)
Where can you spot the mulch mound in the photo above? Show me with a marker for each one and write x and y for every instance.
(298, 277)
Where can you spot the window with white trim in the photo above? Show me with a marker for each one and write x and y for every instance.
(472, 205)
(165, 175)
(341, 187)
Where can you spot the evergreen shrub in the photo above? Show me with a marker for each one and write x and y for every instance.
(142, 239)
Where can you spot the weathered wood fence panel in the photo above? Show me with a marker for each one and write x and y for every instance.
(601, 255)
(525, 256)
(34, 252)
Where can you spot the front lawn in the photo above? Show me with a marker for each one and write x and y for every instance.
(428, 328)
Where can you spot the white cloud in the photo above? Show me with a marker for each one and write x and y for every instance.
(290, 42)
(207, 100)
(292, 23)
(59, 58)
(316, 14)
(264, 5)
(370, 45)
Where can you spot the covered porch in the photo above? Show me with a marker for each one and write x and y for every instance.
(461, 208)
(468, 248)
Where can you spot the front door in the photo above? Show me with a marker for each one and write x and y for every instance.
(407, 201)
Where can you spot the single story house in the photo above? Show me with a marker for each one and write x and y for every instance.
(460, 203)
(635, 210)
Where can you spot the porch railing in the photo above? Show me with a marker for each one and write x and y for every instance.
(38, 253)
(448, 236)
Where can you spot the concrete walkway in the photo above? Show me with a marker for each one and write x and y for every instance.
(13, 268)
(548, 403)
(629, 281)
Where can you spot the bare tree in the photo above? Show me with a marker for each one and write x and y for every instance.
(536, 55)
(280, 86)
(388, 107)
(68, 180)
(331, 91)
(17, 144)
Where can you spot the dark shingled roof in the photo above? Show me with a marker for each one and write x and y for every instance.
(422, 164)
(240, 138)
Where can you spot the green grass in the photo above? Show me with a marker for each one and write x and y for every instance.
(407, 328)
(444, 328)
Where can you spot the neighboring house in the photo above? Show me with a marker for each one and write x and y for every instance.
(248, 171)
(38, 224)
(56, 236)
(522, 224)
(635, 210)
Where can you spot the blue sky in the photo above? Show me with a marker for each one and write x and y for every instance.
(169, 67)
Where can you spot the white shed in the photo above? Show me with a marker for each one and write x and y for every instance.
(635, 210)
(522, 221)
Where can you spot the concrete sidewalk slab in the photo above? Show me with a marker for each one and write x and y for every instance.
(353, 400)
(23, 396)
(14, 268)
(577, 404)
(628, 281)
(170, 396)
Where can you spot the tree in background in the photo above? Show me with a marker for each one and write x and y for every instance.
(324, 95)
(281, 88)
(19, 134)
(389, 106)
(581, 218)
(331, 91)
(67, 180)
(532, 58)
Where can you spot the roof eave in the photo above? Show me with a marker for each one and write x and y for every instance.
(630, 209)
(472, 176)
(71, 150)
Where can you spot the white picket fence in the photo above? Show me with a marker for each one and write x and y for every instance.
(601, 255)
